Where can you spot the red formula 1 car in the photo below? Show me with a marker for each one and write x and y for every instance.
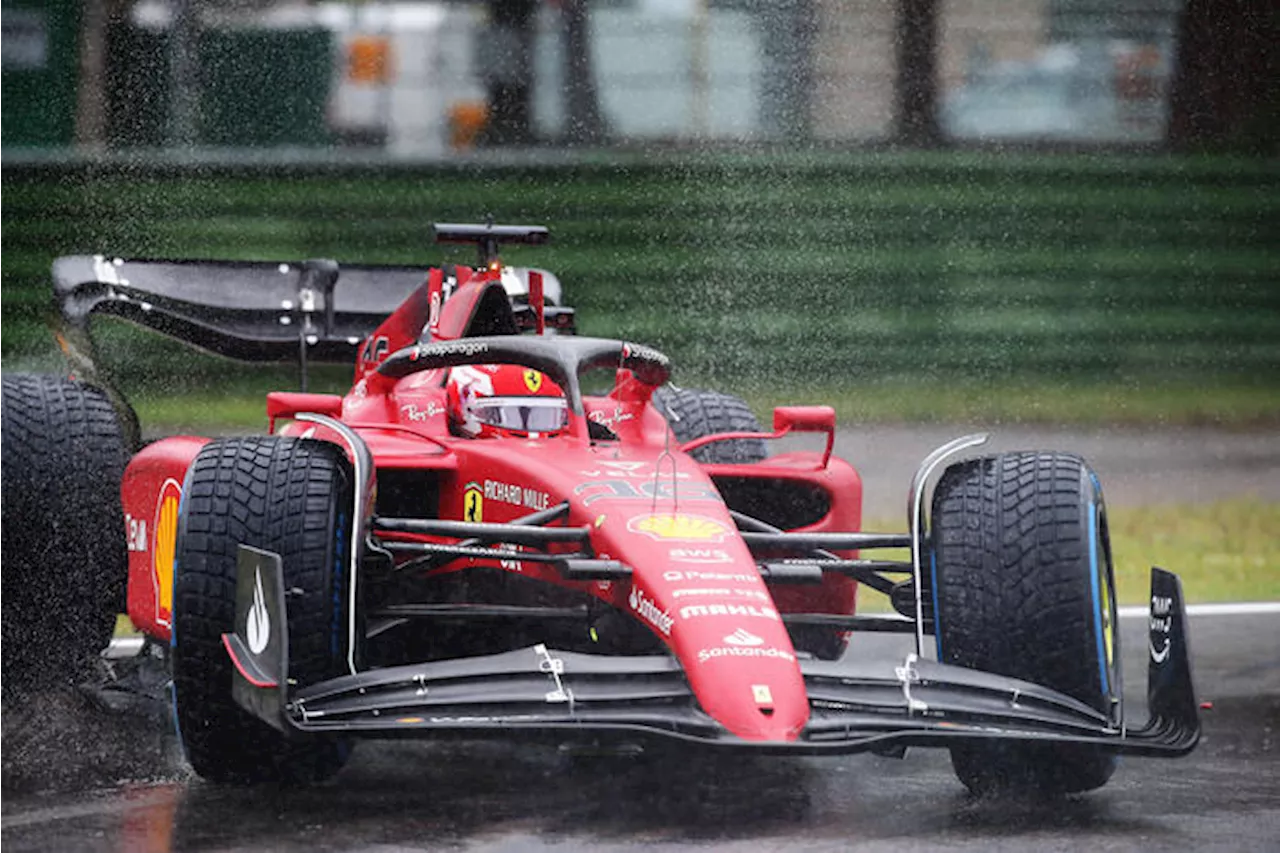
(503, 531)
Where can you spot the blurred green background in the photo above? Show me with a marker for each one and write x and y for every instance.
(915, 285)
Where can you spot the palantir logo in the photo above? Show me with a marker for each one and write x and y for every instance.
(742, 637)
(258, 623)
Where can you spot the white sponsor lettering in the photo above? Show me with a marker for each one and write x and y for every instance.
(136, 533)
(743, 637)
(650, 612)
(743, 652)
(516, 495)
(462, 347)
(690, 592)
(1161, 655)
(1161, 605)
(699, 555)
(713, 577)
(618, 416)
(697, 611)
(413, 413)
(510, 564)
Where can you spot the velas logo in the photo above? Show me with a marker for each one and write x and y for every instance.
(257, 627)
(532, 380)
(678, 526)
(743, 637)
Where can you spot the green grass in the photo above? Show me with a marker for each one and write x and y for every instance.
(947, 268)
(1224, 551)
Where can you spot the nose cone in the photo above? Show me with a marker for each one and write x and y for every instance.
(750, 684)
(736, 651)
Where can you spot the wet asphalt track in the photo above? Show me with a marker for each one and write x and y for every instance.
(489, 797)
(77, 778)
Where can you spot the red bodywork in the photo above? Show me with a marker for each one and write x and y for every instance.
(695, 585)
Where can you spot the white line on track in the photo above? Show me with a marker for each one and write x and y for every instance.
(1239, 609)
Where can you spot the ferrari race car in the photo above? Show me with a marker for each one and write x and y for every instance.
(585, 553)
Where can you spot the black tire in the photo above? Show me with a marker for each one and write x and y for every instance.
(292, 497)
(66, 563)
(693, 414)
(1023, 586)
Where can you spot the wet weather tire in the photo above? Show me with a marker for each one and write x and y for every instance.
(1024, 587)
(693, 414)
(292, 497)
(63, 534)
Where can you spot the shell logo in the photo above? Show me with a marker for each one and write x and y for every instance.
(681, 526)
(162, 550)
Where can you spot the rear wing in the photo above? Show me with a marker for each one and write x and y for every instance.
(268, 311)
(246, 310)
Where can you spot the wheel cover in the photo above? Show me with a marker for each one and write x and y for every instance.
(1104, 586)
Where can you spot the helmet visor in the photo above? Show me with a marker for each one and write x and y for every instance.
(523, 414)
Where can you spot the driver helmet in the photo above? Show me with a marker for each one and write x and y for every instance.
(489, 400)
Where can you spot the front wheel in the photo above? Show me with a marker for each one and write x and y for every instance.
(1023, 586)
(292, 497)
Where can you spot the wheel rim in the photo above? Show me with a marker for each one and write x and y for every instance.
(1108, 633)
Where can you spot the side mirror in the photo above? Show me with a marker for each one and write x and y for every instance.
(804, 419)
(807, 419)
(286, 404)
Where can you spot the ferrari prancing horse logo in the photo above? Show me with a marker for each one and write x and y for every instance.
(473, 502)
(532, 380)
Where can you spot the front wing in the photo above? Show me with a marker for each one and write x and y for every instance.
(544, 693)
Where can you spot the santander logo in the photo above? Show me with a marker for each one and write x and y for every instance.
(742, 637)
(650, 612)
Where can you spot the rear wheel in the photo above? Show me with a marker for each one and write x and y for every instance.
(63, 536)
(693, 414)
(292, 497)
(1023, 586)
